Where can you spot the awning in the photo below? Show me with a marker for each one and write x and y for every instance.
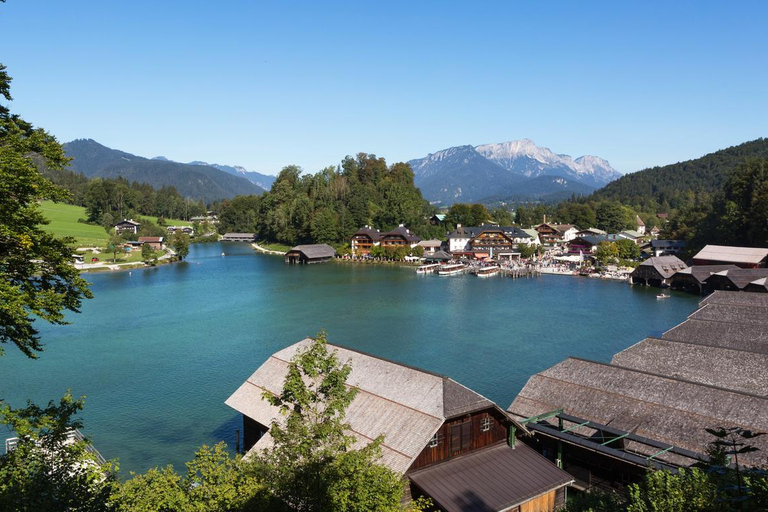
(490, 480)
(480, 255)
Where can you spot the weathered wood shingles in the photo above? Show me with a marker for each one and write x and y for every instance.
(709, 371)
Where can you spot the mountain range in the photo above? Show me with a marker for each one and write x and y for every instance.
(195, 180)
(509, 171)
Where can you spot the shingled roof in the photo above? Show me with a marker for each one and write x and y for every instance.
(314, 251)
(405, 404)
(659, 407)
(729, 254)
(747, 338)
(739, 277)
(715, 366)
(735, 298)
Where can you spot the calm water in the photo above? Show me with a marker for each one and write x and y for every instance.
(159, 350)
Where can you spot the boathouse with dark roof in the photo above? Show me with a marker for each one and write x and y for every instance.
(448, 441)
(736, 279)
(309, 254)
(692, 279)
(606, 423)
(657, 271)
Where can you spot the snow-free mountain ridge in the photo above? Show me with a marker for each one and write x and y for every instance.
(475, 173)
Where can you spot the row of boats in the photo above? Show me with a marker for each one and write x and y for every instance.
(450, 269)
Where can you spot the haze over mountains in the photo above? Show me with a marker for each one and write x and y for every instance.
(191, 180)
(514, 170)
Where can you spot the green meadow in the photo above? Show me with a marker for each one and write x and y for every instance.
(64, 217)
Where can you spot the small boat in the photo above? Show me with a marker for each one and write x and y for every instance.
(223, 254)
(429, 268)
(488, 271)
(662, 296)
(451, 269)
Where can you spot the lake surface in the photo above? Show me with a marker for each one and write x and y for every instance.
(157, 351)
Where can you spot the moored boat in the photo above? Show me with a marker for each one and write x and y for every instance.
(488, 271)
(662, 296)
(429, 268)
(451, 269)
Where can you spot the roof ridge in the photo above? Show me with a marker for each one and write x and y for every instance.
(686, 381)
(672, 340)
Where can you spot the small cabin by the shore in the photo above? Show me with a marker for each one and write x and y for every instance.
(657, 271)
(448, 442)
(239, 237)
(308, 254)
(154, 242)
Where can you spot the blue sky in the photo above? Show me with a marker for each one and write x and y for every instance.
(266, 85)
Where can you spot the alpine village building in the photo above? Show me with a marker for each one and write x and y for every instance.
(448, 442)
(363, 240)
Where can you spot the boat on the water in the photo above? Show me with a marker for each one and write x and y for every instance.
(451, 269)
(429, 268)
(662, 296)
(489, 271)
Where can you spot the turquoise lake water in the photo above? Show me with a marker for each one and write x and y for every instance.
(157, 351)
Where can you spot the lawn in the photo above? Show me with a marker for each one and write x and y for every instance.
(122, 257)
(64, 217)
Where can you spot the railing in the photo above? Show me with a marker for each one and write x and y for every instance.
(73, 436)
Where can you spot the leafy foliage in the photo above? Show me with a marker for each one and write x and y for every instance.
(38, 280)
(44, 471)
(311, 465)
(331, 205)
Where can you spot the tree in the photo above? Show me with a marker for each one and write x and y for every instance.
(38, 279)
(147, 254)
(115, 245)
(502, 216)
(606, 253)
(627, 249)
(614, 217)
(180, 245)
(312, 465)
(47, 472)
(687, 491)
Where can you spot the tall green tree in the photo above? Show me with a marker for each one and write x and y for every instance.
(312, 465)
(38, 278)
(180, 244)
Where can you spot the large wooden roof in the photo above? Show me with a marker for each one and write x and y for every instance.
(498, 478)
(707, 372)
(404, 404)
(729, 254)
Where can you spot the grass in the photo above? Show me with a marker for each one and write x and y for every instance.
(274, 246)
(64, 217)
(122, 257)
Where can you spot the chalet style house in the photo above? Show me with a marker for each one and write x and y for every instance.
(487, 241)
(552, 234)
(399, 237)
(448, 442)
(127, 226)
(362, 241)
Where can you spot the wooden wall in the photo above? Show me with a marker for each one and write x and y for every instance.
(543, 503)
(462, 435)
(252, 432)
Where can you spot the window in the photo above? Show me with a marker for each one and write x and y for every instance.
(435, 440)
(485, 424)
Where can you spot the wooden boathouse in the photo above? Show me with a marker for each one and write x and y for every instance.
(309, 254)
(605, 424)
(657, 271)
(447, 441)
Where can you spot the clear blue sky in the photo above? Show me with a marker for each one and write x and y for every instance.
(265, 85)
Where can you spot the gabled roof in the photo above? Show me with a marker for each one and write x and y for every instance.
(701, 272)
(405, 404)
(740, 277)
(315, 250)
(593, 231)
(431, 243)
(151, 239)
(464, 232)
(668, 244)
(562, 228)
(403, 232)
(729, 254)
(638, 221)
(515, 232)
(631, 233)
(128, 221)
(439, 255)
(665, 265)
(370, 232)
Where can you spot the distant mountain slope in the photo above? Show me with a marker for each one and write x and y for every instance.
(459, 174)
(472, 174)
(264, 181)
(547, 189)
(196, 181)
(671, 182)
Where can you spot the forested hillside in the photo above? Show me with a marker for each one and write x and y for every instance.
(194, 181)
(661, 189)
(329, 206)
